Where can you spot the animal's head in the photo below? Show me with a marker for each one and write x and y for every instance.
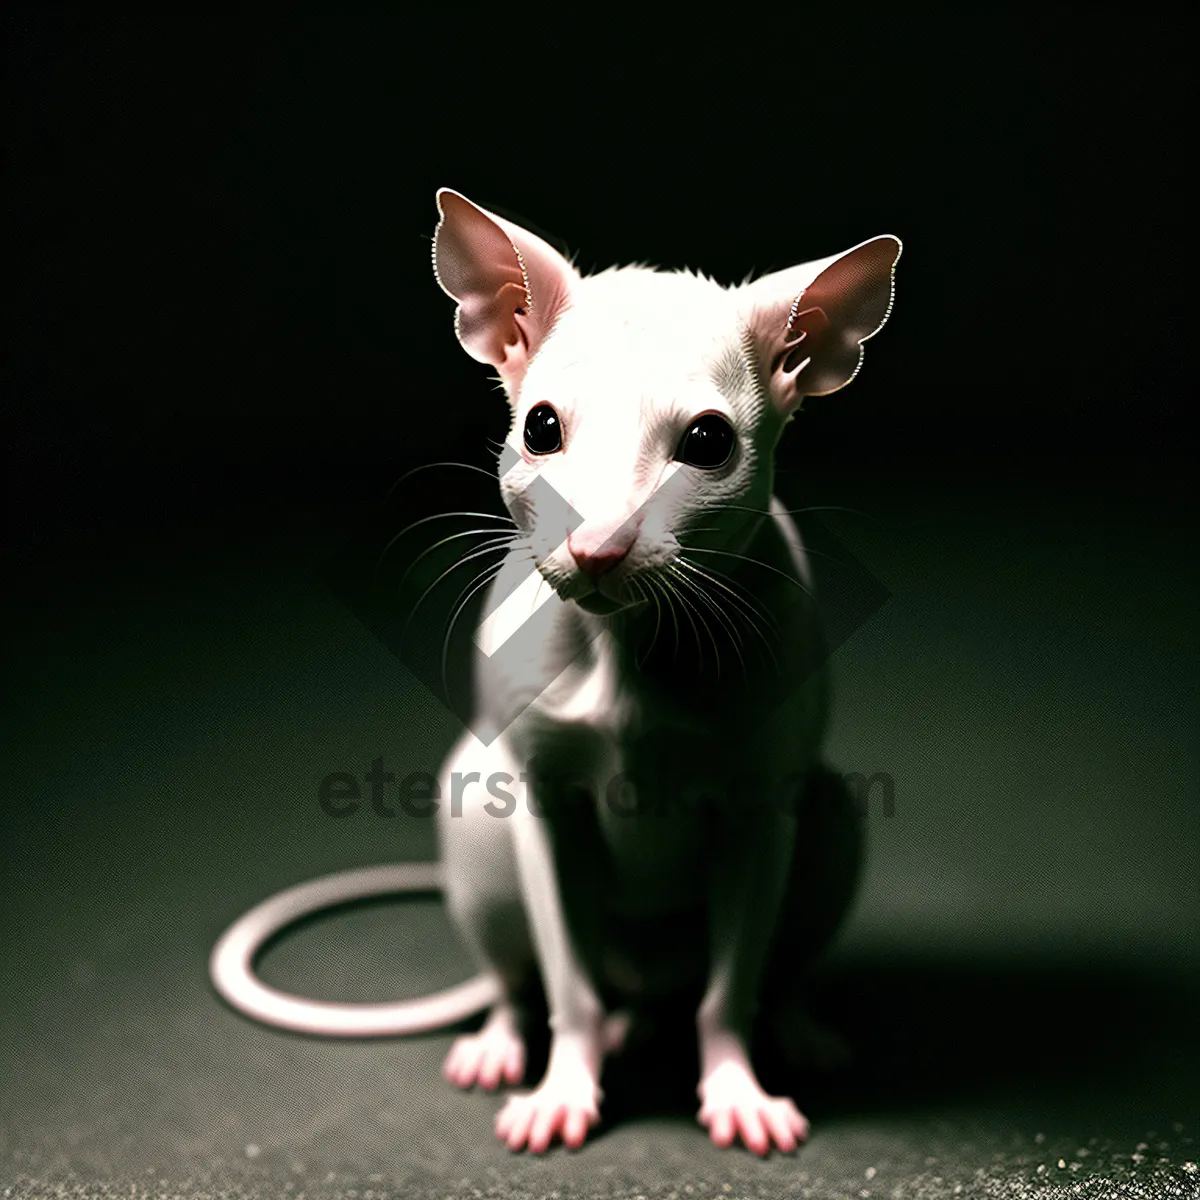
(646, 405)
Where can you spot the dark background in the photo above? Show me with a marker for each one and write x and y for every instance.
(224, 346)
(223, 297)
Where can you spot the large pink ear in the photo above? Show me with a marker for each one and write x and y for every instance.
(510, 284)
(806, 324)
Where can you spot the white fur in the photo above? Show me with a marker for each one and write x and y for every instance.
(716, 570)
(628, 359)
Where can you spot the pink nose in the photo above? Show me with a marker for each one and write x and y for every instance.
(599, 550)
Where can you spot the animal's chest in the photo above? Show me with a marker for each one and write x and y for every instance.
(655, 835)
(652, 777)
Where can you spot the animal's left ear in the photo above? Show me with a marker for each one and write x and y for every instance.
(805, 325)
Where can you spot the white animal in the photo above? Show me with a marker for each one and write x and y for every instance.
(637, 809)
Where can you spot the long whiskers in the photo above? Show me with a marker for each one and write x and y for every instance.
(746, 610)
(703, 596)
(688, 609)
(493, 540)
(808, 550)
(750, 559)
(430, 466)
(464, 598)
(766, 512)
(662, 589)
(480, 581)
(736, 591)
(647, 592)
(483, 516)
(449, 570)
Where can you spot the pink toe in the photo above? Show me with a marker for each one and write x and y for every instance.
(780, 1130)
(519, 1130)
(502, 1122)
(751, 1128)
(489, 1074)
(514, 1066)
(575, 1128)
(721, 1129)
(544, 1128)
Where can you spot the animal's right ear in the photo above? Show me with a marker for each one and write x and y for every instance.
(510, 285)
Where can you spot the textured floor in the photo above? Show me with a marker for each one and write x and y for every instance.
(1019, 978)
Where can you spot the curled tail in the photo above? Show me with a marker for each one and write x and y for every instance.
(231, 964)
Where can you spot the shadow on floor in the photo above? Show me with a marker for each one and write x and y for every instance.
(1095, 1044)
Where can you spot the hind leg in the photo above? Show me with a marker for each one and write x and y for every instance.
(824, 878)
(484, 898)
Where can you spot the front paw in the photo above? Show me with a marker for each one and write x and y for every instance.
(732, 1103)
(566, 1107)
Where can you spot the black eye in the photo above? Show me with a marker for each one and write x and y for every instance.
(708, 442)
(543, 430)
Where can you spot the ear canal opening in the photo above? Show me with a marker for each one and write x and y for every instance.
(519, 319)
(807, 329)
(790, 356)
(804, 331)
